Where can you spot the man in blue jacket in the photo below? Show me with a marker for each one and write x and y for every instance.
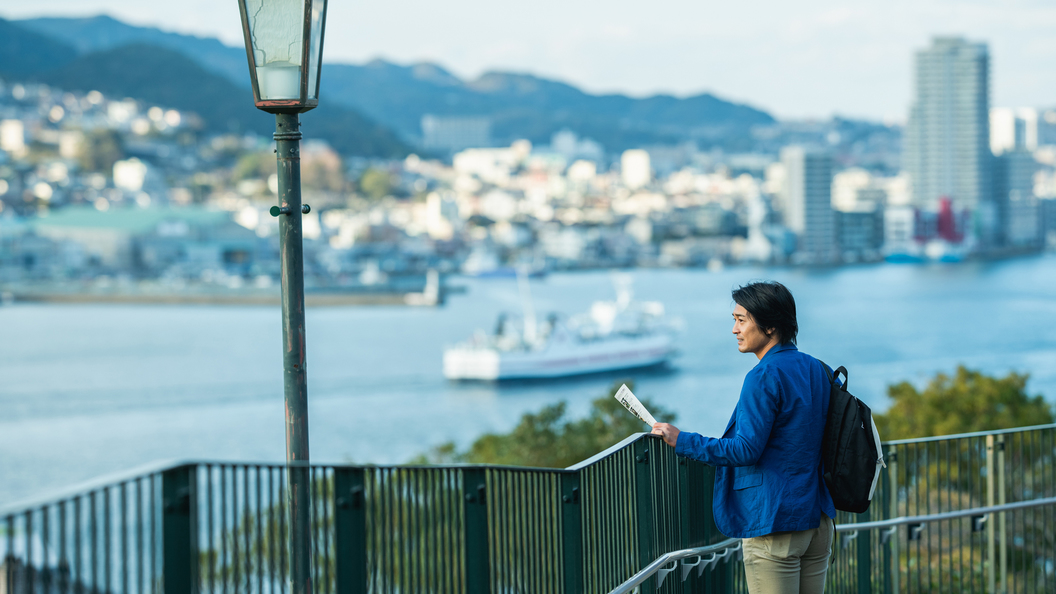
(769, 488)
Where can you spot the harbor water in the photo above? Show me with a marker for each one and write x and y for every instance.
(88, 390)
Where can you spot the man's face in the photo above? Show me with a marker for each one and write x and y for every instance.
(750, 337)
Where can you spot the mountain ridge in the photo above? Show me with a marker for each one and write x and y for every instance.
(158, 75)
(15, 61)
(104, 32)
(519, 105)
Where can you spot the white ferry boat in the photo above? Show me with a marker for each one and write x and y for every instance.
(613, 335)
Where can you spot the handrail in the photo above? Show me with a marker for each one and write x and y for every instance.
(967, 435)
(94, 484)
(124, 476)
(658, 565)
(637, 579)
(116, 478)
(155, 467)
(611, 450)
(961, 513)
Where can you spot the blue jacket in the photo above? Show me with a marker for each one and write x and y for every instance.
(769, 469)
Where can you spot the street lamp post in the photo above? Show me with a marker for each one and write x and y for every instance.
(284, 46)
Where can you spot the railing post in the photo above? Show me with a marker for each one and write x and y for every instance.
(350, 525)
(179, 551)
(643, 481)
(729, 568)
(892, 474)
(865, 556)
(884, 552)
(687, 538)
(475, 512)
(1002, 538)
(991, 554)
(706, 516)
(572, 533)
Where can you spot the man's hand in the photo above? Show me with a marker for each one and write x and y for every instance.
(667, 431)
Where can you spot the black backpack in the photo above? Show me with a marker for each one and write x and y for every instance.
(850, 448)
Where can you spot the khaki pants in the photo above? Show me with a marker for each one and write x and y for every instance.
(789, 562)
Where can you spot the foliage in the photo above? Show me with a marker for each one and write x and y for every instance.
(548, 439)
(376, 183)
(258, 165)
(319, 174)
(102, 148)
(967, 401)
(319, 171)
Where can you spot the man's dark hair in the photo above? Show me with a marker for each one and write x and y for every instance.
(771, 306)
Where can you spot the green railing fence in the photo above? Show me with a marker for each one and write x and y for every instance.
(1010, 551)
(222, 527)
(218, 527)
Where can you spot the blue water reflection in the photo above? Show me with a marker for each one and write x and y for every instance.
(92, 389)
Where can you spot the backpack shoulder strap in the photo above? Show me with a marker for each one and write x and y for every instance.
(834, 376)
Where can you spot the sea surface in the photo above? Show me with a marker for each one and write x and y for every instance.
(90, 390)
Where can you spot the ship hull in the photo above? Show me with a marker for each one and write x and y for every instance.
(558, 360)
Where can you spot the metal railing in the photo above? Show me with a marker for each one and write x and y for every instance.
(914, 525)
(660, 568)
(962, 513)
(959, 513)
(221, 527)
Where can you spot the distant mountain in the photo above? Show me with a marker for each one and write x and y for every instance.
(519, 105)
(103, 32)
(46, 54)
(526, 106)
(165, 77)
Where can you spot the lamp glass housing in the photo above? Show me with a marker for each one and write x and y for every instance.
(315, 46)
(284, 45)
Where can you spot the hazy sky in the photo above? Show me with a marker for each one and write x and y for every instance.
(809, 58)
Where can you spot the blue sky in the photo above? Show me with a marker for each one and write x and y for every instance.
(811, 58)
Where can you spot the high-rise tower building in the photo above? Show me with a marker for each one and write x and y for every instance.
(808, 204)
(948, 136)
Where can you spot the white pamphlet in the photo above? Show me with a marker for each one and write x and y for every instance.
(631, 403)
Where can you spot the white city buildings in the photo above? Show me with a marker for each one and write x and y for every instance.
(636, 168)
(454, 133)
(13, 136)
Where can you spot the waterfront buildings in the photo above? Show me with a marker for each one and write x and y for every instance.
(567, 205)
(1012, 129)
(151, 240)
(947, 144)
(808, 203)
(1015, 199)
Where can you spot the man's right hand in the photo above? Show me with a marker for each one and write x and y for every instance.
(667, 431)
